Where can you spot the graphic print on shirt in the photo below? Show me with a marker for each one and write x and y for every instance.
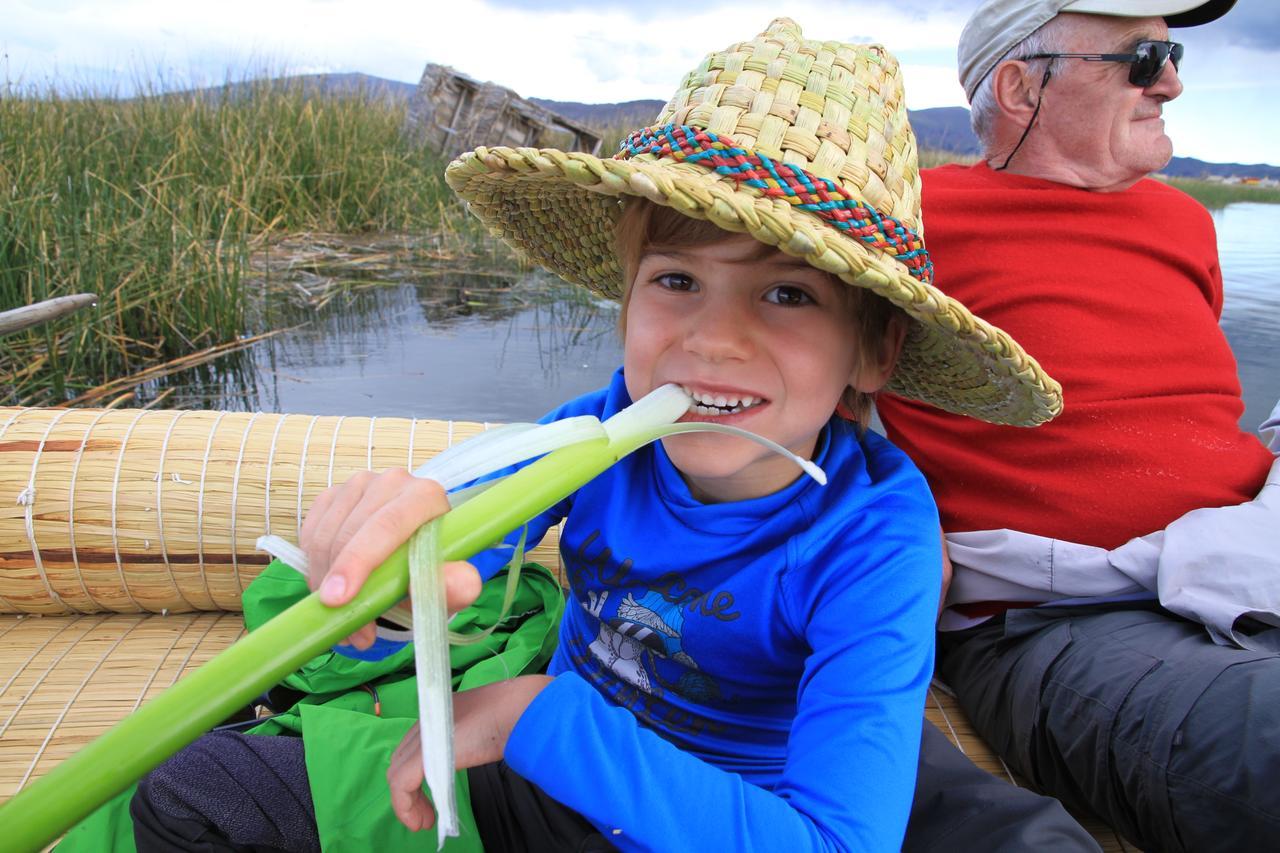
(638, 652)
(635, 630)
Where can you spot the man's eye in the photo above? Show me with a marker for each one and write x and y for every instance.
(675, 281)
(785, 294)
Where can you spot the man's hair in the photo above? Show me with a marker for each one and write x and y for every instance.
(1051, 37)
(645, 227)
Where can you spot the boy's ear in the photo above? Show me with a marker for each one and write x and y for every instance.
(870, 376)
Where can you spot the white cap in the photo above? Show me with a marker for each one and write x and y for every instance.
(998, 25)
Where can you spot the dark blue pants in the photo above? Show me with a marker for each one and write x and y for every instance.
(228, 792)
(232, 792)
(1133, 714)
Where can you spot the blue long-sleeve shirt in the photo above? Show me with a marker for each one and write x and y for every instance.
(743, 675)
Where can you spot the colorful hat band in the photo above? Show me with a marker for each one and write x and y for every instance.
(823, 197)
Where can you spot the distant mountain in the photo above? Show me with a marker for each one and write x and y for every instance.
(940, 128)
(948, 129)
(944, 128)
(631, 114)
(332, 85)
(1190, 167)
(352, 84)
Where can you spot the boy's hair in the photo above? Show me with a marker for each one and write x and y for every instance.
(645, 226)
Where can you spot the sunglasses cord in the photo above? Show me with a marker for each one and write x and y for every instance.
(1048, 71)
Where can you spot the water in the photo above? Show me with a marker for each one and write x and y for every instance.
(447, 349)
(502, 349)
(480, 348)
(1249, 248)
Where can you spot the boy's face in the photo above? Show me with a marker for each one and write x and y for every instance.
(767, 345)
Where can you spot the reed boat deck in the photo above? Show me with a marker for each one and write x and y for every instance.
(126, 538)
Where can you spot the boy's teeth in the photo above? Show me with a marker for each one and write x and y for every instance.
(719, 404)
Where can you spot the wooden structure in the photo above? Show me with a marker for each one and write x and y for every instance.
(454, 113)
(26, 316)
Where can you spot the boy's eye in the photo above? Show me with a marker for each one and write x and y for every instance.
(675, 281)
(785, 294)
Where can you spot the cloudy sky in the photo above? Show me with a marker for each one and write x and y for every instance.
(587, 50)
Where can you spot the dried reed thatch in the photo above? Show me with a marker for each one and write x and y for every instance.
(65, 680)
(137, 511)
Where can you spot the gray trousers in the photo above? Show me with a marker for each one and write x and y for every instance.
(1131, 713)
(959, 807)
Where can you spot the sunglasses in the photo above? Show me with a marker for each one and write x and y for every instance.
(1146, 63)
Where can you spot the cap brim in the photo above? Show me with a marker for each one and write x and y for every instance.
(1177, 13)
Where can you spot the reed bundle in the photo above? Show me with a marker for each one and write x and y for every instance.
(158, 511)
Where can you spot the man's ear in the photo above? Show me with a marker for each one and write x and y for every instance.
(870, 376)
(1015, 91)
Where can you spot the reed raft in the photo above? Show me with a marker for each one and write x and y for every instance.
(158, 511)
(154, 515)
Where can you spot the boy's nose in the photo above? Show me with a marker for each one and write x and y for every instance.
(718, 333)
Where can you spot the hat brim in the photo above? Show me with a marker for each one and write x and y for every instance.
(560, 209)
(1177, 13)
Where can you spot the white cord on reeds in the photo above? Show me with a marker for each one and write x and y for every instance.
(173, 644)
(302, 473)
(204, 471)
(75, 694)
(3, 430)
(27, 498)
(271, 459)
(115, 494)
(71, 507)
(160, 478)
(53, 665)
(22, 667)
(333, 448)
(235, 499)
(182, 667)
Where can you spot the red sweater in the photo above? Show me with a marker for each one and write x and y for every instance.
(1117, 295)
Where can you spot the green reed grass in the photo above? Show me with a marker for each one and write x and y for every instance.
(154, 203)
(1212, 194)
(1215, 195)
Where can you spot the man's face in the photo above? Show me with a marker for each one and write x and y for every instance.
(1101, 127)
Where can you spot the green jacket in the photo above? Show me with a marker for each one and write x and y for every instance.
(348, 748)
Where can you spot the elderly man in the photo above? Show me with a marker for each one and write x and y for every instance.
(1111, 628)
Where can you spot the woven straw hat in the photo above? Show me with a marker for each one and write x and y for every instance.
(802, 144)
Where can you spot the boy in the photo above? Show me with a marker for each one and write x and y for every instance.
(744, 657)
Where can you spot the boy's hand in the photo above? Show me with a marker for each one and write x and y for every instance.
(404, 778)
(350, 529)
(482, 721)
